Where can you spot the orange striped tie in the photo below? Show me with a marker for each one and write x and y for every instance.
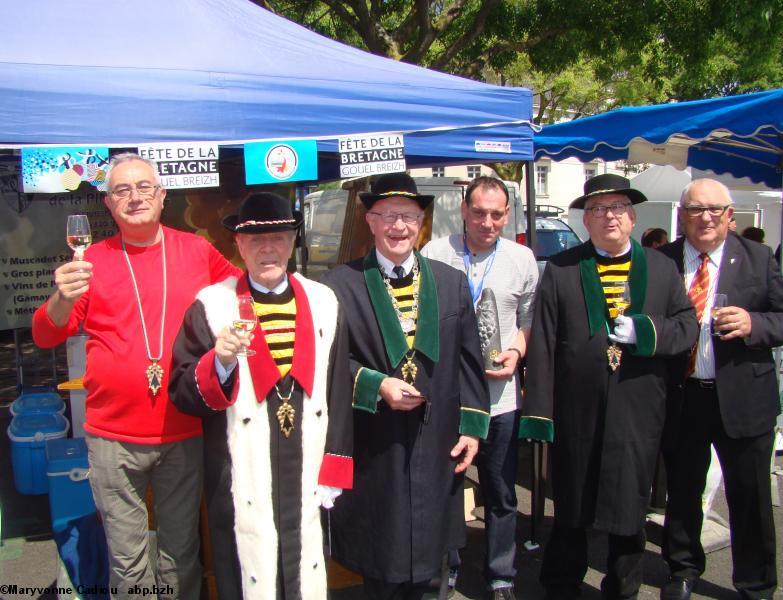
(698, 295)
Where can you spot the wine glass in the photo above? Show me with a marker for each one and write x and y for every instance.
(719, 301)
(245, 322)
(623, 301)
(78, 235)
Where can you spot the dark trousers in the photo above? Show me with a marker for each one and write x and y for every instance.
(745, 463)
(497, 470)
(565, 563)
(377, 589)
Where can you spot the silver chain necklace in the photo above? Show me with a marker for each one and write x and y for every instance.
(407, 323)
(154, 371)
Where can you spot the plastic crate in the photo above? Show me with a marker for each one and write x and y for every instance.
(37, 404)
(70, 495)
(28, 435)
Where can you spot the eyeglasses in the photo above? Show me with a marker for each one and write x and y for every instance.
(697, 211)
(618, 208)
(391, 218)
(144, 190)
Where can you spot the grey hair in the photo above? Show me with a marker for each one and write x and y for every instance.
(686, 192)
(118, 159)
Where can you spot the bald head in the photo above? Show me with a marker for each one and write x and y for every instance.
(705, 210)
(710, 188)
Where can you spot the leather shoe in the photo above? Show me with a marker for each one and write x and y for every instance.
(504, 593)
(678, 588)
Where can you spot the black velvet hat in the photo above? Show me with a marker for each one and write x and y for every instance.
(608, 183)
(394, 184)
(264, 212)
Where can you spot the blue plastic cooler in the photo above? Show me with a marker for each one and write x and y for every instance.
(68, 471)
(28, 435)
(37, 404)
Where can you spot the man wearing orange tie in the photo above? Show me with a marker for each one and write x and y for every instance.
(729, 396)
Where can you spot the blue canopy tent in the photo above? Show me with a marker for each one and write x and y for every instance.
(741, 135)
(125, 73)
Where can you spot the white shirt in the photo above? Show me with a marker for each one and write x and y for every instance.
(602, 252)
(513, 278)
(386, 265)
(705, 359)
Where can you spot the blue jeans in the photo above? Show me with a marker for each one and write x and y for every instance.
(497, 469)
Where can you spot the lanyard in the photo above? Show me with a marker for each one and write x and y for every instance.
(476, 292)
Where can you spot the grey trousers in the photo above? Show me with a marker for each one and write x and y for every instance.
(119, 475)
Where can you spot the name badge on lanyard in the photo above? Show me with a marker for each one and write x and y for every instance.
(475, 291)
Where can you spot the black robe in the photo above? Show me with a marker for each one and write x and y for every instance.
(324, 443)
(607, 425)
(406, 508)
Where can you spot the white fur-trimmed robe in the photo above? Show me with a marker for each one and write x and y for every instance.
(246, 434)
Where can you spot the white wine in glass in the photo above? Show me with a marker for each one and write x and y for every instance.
(245, 322)
(623, 301)
(78, 235)
(718, 301)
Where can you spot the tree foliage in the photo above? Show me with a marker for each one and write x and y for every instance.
(648, 49)
(580, 57)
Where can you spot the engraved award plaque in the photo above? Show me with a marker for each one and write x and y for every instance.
(489, 329)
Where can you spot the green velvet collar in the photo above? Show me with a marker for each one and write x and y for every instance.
(426, 340)
(595, 300)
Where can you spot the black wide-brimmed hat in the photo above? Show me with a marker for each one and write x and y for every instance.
(394, 184)
(264, 212)
(608, 183)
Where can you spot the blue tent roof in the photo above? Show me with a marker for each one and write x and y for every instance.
(123, 73)
(741, 135)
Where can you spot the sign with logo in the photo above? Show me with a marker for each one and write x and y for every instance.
(365, 155)
(492, 146)
(278, 162)
(183, 165)
(51, 170)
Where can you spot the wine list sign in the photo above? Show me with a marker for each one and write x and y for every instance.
(33, 244)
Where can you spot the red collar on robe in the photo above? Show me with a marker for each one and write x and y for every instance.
(263, 366)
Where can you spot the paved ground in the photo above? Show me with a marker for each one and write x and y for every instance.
(28, 555)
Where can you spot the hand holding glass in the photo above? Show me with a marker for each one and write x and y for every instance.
(623, 301)
(78, 235)
(245, 322)
(718, 302)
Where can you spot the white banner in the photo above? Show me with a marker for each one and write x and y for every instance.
(364, 155)
(183, 165)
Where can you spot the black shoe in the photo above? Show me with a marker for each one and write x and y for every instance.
(678, 588)
(504, 593)
(562, 592)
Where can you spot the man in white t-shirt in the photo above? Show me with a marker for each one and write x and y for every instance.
(510, 271)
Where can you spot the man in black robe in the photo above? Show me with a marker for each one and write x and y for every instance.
(278, 421)
(420, 397)
(596, 386)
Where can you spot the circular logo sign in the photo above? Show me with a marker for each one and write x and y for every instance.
(281, 161)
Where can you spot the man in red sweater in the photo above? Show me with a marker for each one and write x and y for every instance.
(130, 292)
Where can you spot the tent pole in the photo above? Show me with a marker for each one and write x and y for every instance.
(299, 203)
(530, 203)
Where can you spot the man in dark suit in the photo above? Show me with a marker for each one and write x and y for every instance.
(421, 401)
(599, 363)
(729, 397)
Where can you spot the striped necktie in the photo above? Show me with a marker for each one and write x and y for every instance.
(698, 295)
